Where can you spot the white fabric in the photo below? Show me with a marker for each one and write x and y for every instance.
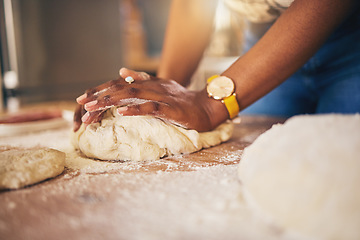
(258, 11)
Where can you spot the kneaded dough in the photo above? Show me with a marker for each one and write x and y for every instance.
(20, 167)
(304, 175)
(140, 138)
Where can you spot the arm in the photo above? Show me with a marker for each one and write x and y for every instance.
(187, 35)
(289, 43)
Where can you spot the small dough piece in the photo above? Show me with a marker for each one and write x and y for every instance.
(140, 138)
(20, 167)
(304, 175)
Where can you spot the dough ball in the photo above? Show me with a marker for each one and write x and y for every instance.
(140, 138)
(20, 167)
(304, 175)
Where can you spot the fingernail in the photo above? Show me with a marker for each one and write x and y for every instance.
(91, 104)
(82, 97)
(85, 117)
(121, 110)
(120, 72)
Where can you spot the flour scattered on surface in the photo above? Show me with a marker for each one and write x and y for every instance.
(171, 198)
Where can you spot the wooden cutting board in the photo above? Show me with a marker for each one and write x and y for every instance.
(195, 196)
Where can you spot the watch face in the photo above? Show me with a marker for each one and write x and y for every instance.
(220, 88)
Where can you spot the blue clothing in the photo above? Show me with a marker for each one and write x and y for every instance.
(328, 83)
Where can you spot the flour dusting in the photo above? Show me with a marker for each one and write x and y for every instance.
(195, 196)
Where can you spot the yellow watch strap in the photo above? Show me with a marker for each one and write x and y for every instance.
(231, 105)
(212, 78)
(230, 102)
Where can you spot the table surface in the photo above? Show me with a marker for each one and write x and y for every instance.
(195, 196)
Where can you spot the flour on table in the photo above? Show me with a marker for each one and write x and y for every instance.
(304, 176)
(20, 167)
(140, 138)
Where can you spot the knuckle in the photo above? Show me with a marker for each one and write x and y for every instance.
(90, 91)
(133, 91)
(134, 109)
(155, 106)
(113, 82)
(107, 98)
(117, 87)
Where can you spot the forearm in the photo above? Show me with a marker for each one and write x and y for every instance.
(288, 44)
(187, 35)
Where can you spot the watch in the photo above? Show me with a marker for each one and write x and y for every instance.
(223, 88)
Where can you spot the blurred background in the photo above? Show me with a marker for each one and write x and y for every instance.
(53, 50)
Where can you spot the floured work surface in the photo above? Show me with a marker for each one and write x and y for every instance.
(196, 196)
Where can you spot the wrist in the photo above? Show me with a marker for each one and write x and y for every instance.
(222, 89)
(215, 109)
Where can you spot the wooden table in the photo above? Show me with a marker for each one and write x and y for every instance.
(195, 196)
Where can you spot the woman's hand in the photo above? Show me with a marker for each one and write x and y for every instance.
(147, 95)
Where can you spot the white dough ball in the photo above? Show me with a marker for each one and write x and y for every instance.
(140, 138)
(304, 175)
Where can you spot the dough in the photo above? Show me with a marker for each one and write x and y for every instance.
(20, 167)
(140, 138)
(304, 175)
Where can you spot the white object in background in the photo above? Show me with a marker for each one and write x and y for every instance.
(10, 129)
(11, 80)
(209, 66)
(13, 104)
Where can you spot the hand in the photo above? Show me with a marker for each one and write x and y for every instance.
(147, 95)
(80, 110)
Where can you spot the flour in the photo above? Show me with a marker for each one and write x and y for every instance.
(304, 175)
(178, 197)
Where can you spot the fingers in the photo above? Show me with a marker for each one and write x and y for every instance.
(82, 116)
(92, 93)
(112, 86)
(152, 108)
(125, 72)
(127, 96)
(77, 118)
(92, 117)
(79, 112)
(127, 78)
(146, 108)
(159, 110)
(131, 89)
